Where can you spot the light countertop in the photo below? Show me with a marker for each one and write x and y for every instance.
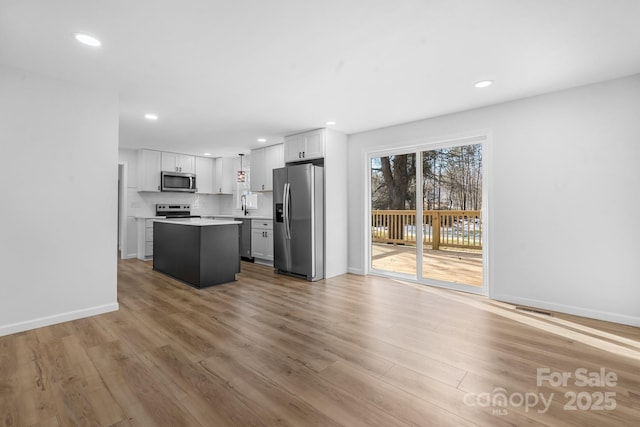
(238, 216)
(198, 222)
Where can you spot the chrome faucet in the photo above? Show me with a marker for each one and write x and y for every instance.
(243, 202)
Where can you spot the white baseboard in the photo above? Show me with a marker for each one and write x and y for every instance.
(56, 318)
(358, 271)
(569, 309)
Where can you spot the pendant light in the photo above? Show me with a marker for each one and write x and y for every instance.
(241, 176)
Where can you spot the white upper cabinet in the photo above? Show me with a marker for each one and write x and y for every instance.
(314, 142)
(174, 162)
(275, 157)
(205, 175)
(224, 176)
(294, 146)
(263, 162)
(258, 169)
(149, 170)
(304, 146)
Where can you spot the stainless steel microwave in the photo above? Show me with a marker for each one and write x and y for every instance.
(178, 181)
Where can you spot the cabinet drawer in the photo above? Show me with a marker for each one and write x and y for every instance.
(148, 249)
(148, 234)
(262, 224)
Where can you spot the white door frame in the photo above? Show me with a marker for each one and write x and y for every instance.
(483, 137)
(122, 219)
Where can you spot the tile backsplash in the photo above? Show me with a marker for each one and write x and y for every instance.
(144, 204)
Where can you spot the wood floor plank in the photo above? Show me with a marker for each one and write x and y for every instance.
(342, 406)
(395, 401)
(210, 398)
(450, 398)
(271, 402)
(269, 349)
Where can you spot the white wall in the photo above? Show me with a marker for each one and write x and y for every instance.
(59, 145)
(336, 243)
(563, 196)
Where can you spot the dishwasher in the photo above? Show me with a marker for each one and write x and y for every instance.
(245, 238)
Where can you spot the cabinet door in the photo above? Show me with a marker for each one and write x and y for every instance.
(262, 244)
(258, 169)
(258, 244)
(268, 250)
(294, 147)
(204, 175)
(224, 175)
(314, 144)
(186, 163)
(170, 162)
(174, 162)
(305, 146)
(148, 170)
(274, 159)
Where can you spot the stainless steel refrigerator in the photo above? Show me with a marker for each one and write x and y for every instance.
(298, 228)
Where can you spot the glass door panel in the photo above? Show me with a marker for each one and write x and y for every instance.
(393, 214)
(451, 218)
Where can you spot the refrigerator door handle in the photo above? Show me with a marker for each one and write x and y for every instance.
(286, 203)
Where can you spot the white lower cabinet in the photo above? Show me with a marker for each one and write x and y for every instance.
(145, 239)
(262, 239)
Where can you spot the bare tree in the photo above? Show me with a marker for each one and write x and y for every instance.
(397, 186)
(396, 180)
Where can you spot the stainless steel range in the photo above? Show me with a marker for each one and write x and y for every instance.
(174, 211)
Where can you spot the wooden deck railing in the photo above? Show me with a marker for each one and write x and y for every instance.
(457, 229)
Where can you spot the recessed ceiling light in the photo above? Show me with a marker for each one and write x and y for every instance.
(88, 40)
(207, 154)
(483, 83)
(262, 140)
(151, 117)
(330, 123)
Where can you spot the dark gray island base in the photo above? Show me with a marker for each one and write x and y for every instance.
(198, 252)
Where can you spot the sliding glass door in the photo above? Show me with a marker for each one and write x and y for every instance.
(393, 214)
(426, 215)
(452, 224)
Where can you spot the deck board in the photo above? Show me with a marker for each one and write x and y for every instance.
(448, 265)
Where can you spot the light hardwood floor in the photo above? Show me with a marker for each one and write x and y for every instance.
(272, 350)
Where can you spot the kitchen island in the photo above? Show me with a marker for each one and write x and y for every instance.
(199, 252)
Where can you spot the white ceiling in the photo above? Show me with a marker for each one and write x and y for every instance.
(221, 74)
